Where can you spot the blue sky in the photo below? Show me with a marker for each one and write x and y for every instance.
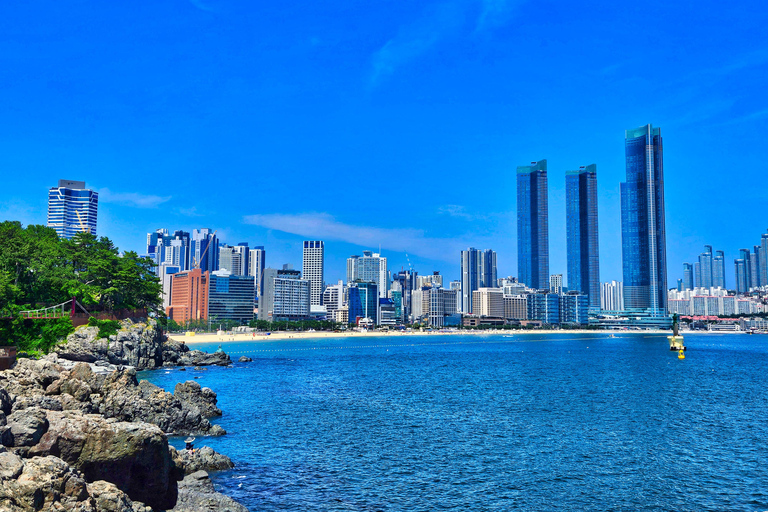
(392, 123)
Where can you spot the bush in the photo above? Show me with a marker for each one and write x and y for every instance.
(106, 327)
(34, 335)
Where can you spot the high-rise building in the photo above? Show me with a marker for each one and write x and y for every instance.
(718, 270)
(688, 283)
(764, 260)
(544, 306)
(230, 297)
(556, 283)
(189, 296)
(363, 302)
(745, 255)
(756, 260)
(404, 282)
(256, 267)
(515, 307)
(574, 308)
(478, 270)
(312, 266)
(285, 295)
(371, 267)
(488, 302)
(433, 280)
(204, 250)
(644, 245)
(166, 249)
(705, 268)
(581, 230)
(233, 259)
(742, 281)
(533, 225)
(612, 296)
(72, 209)
(333, 298)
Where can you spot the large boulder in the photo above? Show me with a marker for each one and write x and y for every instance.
(133, 456)
(205, 459)
(6, 404)
(28, 377)
(27, 426)
(204, 398)
(196, 494)
(200, 358)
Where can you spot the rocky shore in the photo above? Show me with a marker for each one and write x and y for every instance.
(79, 432)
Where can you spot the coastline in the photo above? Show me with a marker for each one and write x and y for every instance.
(205, 338)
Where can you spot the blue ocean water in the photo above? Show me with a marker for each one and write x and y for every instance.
(529, 422)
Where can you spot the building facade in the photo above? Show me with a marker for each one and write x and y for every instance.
(285, 295)
(478, 270)
(643, 231)
(688, 281)
(188, 296)
(256, 266)
(612, 296)
(544, 306)
(72, 209)
(363, 302)
(583, 249)
(313, 263)
(204, 250)
(370, 267)
(230, 297)
(574, 308)
(488, 302)
(533, 225)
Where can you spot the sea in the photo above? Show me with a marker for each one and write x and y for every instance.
(492, 422)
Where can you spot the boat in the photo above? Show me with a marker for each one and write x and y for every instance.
(676, 341)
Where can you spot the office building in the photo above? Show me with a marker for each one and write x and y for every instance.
(188, 296)
(165, 272)
(718, 270)
(688, 281)
(745, 255)
(612, 296)
(432, 305)
(556, 283)
(533, 225)
(755, 260)
(204, 250)
(370, 267)
(230, 297)
(704, 276)
(581, 230)
(643, 233)
(488, 302)
(574, 308)
(313, 263)
(404, 282)
(544, 306)
(478, 270)
(363, 302)
(333, 298)
(234, 259)
(166, 249)
(388, 312)
(72, 209)
(256, 265)
(433, 280)
(516, 307)
(742, 273)
(285, 295)
(763, 260)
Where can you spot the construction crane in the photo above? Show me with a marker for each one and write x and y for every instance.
(195, 263)
(83, 226)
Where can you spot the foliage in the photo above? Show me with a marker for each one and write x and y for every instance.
(38, 268)
(33, 334)
(106, 327)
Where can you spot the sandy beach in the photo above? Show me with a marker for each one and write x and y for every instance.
(200, 338)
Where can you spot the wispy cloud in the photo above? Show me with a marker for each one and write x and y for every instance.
(190, 212)
(458, 211)
(203, 6)
(132, 198)
(326, 227)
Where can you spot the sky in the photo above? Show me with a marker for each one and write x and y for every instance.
(383, 124)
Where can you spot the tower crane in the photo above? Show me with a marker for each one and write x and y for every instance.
(195, 263)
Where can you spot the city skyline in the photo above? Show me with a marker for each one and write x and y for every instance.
(324, 105)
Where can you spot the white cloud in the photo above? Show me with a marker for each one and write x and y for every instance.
(323, 226)
(132, 198)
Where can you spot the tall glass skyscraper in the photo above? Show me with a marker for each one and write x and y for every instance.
(533, 225)
(478, 270)
(581, 232)
(72, 209)
(688, 281)
(643, 233)
(204, 250)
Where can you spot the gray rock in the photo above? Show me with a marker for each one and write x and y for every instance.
(6, 404)
(244, 359)
(203, 398)
(28, 426)
(133, 456)
(199, 358)
(205, 459)
(43, 402)
(196, 494)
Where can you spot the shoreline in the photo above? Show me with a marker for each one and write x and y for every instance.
(204, 338)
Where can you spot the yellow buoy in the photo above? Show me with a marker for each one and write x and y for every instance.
(681, 355)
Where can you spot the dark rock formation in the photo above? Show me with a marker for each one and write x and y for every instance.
(205, 459)
(200, 358)
(203, 398)
(196, 494)
(27, 426)
(244, 359)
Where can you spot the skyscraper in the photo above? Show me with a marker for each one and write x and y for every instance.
(742, 281)
(204, 250)
(371, 267)
(643, 233)
(256, 267)
(556, 283)
(72, 209)
(478, 270)
(718, 269)
(312, 269)
(688, 282)
(235, 259)
(705, 268)
(581, 231)
(533, 225)
(745, 255)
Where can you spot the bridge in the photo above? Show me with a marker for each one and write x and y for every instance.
(63, 310)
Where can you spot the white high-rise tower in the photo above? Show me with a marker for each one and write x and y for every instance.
(313, 269)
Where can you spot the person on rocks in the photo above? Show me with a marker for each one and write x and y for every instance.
(189, 446)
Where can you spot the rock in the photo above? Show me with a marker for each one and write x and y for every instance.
(124, 399)
(6, 404)
(27, 426)
(244, 359)
(133, 456)
(205, 459)
(43, 402)
(6, 437)
(199, 358)
(200, 369)
(196, 494)
(49, 483)
(204, 398)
